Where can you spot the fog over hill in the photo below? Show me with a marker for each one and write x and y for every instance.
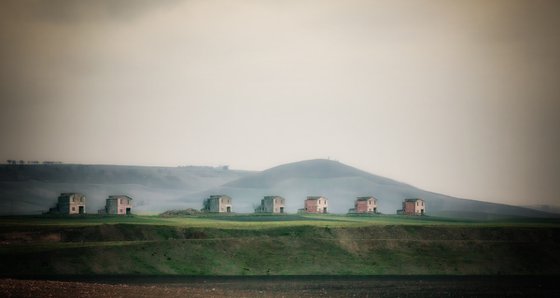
(341, 184)
(31, 189)
(26, 189)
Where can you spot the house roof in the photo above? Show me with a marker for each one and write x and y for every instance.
(113, 197)
(71, 193)
(413, 200)
(315, 197)
(365, 198)
(217, 196)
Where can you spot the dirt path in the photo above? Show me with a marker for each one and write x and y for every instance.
(287, 287)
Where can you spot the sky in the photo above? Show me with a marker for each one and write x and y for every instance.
(455, 97)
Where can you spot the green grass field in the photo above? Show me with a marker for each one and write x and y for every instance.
(251, 221)
(276, 245)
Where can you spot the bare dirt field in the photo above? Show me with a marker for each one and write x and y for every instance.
(304, 286)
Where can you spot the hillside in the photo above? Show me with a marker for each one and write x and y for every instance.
(341, 183)
(32, 189)
(308, 245)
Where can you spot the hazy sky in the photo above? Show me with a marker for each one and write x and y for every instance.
(457, 97)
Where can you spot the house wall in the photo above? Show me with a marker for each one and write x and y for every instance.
(419, 206)
(279, 205)
(213, 205)
(223, 204)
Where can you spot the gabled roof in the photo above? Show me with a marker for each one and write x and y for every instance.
(218, 196)
(315, 197)
(413, 200)
(365, 198)
(71, 193)
(113, 197)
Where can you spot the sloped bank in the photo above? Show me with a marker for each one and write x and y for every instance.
(299, 250)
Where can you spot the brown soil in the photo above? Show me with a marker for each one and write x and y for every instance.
(290, 287)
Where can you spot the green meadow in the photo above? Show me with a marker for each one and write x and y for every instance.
(252, 221)
(276, 245)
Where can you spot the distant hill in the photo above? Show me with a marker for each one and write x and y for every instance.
(341, 184)
(545, 208)
(30, 189)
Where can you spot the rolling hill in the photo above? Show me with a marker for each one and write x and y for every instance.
(30, 189)
(341, 183)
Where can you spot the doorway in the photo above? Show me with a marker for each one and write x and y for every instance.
(281, 209)
(228, 209)
(127, 211)
(81, 210)
(325, 210)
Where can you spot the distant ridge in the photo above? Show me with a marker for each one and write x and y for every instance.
(314, 168)
(341, 184)
(31, 189)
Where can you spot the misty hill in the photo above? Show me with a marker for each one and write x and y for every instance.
(341, 184)
(545, 208)
(31, 189)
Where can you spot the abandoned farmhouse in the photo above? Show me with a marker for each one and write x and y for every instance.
(271, 204)
(413, 207)
(119, 204)
(70, 203)
(364, 205)
(217, 204)
(314, 204)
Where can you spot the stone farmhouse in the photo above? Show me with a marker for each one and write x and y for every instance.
(70, 203)
(316, 204)
(271, 204)
(413, 207)
(217, 204)
(118, 204)
(364, 205)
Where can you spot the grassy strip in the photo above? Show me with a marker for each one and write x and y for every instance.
(263, 221)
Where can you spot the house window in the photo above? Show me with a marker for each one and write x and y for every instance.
(73, 208)
(120, 211)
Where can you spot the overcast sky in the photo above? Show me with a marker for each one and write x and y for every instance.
(456, 97)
